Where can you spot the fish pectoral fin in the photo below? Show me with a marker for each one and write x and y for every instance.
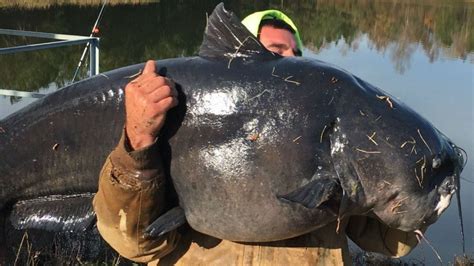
(313, 194)
(167, 222)
(54, 213)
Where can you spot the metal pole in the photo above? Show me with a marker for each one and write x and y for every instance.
(46, 35)
(94, 57)
(21, 93)
(40, 46)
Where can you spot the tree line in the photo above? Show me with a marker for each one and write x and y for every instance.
(132, 31)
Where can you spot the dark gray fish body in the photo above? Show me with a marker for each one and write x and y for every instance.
(260, 148)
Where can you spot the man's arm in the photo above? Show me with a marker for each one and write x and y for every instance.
(374, 236)
(132, 182)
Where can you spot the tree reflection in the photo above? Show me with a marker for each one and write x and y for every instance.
(397, 27)
(132, 33)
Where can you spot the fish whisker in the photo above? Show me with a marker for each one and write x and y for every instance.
(419, 236)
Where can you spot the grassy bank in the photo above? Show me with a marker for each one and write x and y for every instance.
(49, 3)
(374, 259)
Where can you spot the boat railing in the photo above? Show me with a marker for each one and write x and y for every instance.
(60, 41)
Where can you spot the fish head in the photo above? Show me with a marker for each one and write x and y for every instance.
(391, 162)
(411, 207)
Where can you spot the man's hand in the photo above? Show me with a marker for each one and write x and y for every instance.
(147, 99)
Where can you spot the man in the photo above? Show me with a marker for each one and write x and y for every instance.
(132, 187)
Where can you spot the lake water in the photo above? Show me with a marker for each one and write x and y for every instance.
(420, 52)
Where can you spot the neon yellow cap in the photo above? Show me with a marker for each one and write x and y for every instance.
(252, 23)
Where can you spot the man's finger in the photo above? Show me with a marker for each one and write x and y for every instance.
(147, 80)
(160, 94)
(149, 67)
(167, 103)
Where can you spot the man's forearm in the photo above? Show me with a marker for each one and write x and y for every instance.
(131, 195)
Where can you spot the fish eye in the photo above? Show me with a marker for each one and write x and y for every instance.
(436, 161)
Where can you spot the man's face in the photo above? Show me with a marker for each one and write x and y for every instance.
(279, 41)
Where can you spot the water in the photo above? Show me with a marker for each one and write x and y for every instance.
(420, 52)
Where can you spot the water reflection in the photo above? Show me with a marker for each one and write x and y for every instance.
(441, 28)
(133, 33)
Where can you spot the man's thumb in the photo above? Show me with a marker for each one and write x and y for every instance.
(149, 67)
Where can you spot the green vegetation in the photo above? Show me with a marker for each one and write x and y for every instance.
(48, 3)
(132, 31)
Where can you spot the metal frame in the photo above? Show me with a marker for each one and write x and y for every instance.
(64, 40)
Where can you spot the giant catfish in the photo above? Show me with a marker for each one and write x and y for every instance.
(260, 148)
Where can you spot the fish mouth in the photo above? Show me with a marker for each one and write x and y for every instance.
(452, 184)
(449, 165)
(443, 203)
(443, 200)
